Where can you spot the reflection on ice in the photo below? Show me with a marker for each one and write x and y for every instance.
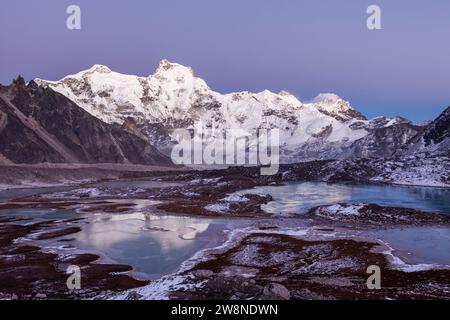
(299, 197)
(157, 245)
(151, 243)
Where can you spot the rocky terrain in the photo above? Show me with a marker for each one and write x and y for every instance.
(15, 176)
(372, 214)
(274, 263)
(420, 170)
(99, 125)
(269, 260)
(435, 139)
(279, 266)
(30, 272)
(40, 125)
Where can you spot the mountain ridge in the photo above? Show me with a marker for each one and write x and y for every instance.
(174, 97)
(42, 125)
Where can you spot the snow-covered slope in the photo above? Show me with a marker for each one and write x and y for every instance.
(173, 97)
(422, 160)
(435, 138)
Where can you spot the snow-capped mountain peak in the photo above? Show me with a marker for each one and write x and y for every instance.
(326, 98)
(332, 104)
(100, 68)
(176, 77)
(165, 68)
(174, 97)
(96, 68)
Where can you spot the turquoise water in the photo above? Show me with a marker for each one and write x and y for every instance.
(413, 244)
(418, 245)
(299, 197)
(156, 245)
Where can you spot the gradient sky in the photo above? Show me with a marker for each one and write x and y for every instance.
(305, 47)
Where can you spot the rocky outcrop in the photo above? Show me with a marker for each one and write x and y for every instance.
(284, 264)
(384, 141)
(435, 138)
(438, 130)
(373, 214)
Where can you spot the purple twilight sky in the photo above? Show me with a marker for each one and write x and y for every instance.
(305, 47)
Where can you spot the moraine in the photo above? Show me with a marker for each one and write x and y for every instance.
(155, 244)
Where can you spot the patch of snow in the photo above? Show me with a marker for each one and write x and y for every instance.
(416, 170)
(235, 198)
(336, 211)
(160, 289)
(205, 181)
(218, 207)
(75, 194)
(190, 194)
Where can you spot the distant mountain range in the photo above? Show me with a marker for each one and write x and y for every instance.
(98, 115)
(173, 97)
(423, 160)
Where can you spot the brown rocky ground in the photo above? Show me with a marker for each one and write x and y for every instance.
(372, 214)
(29, 272)
(21, 176)
(280, 266)
(199, 193)
(261, 266)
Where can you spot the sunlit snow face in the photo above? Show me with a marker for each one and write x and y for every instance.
(174, 98)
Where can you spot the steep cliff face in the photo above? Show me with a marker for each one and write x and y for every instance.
(433, 140)
(20, 144)
(41, 125)
(439, 130)
(384, 141)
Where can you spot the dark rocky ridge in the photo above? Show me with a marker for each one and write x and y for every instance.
(40, 125)
(384, 141)
(434, 139)
(439, 129)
